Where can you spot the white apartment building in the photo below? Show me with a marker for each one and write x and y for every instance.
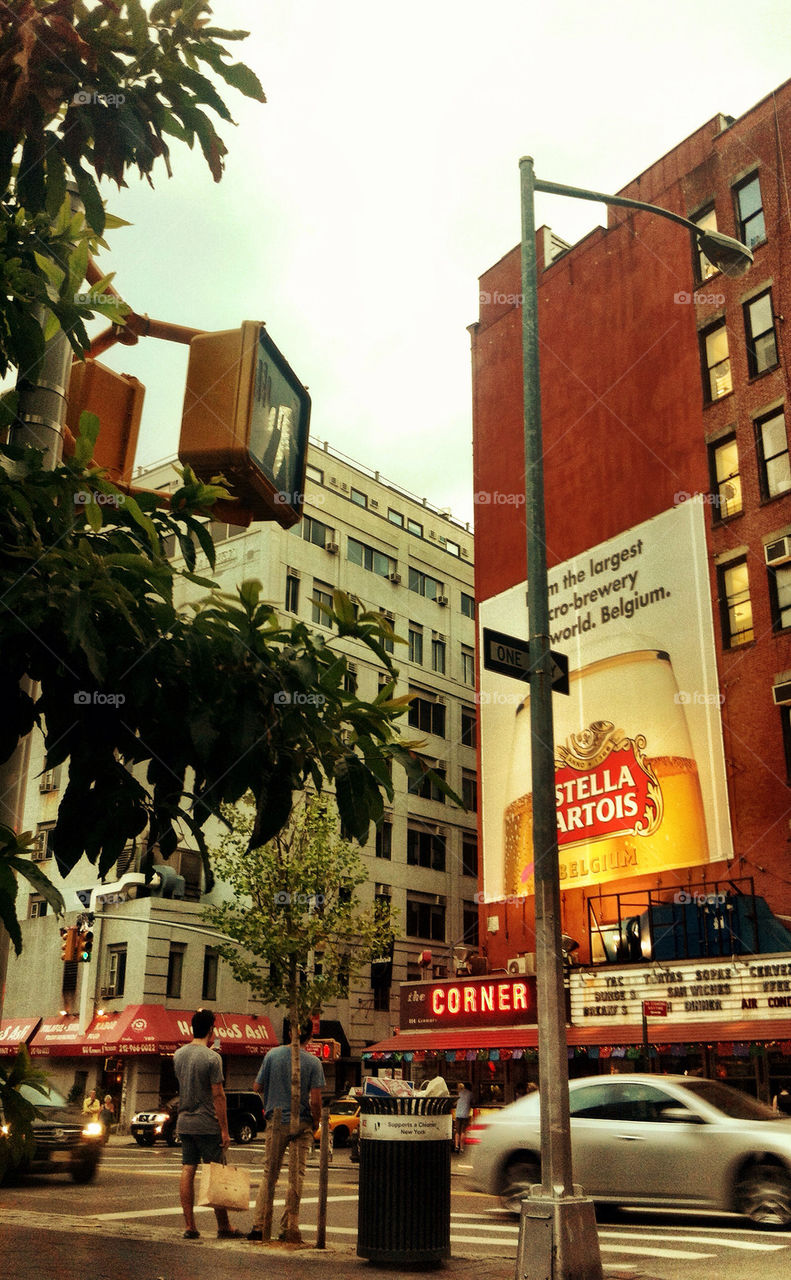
(153, 962)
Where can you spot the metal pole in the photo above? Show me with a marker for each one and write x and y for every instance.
(557, 1230)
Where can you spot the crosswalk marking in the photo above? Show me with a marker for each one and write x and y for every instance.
(720, 1241)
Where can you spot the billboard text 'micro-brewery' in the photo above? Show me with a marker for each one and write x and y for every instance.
(640, 772)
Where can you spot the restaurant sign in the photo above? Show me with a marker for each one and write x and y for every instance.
(468, 1002)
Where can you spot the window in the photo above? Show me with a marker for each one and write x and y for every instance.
(785, 719)
(780, 596)
(726, 482)
(395, 517)
(707, 221)
(759, 326)
(384, 840)
(314, 531)
(467, 605)
(424, 584)
(210, 966)
(427, 714)
(469, 854)
(438, 656)
(469, 790)
(415, 643)
(369, 558)
(735, 606)
(750, 212)
(425, 849)
(773, 463)
(425, 917)
(292, 593)
(468, 665)
(452, 548)
(717, 379)
(175, 970)
(313, 473)
(116, 969)
(388, 642)
(50, 779)
(413, 526)
(357, 496)
(350, 679)
(36, 907)
(469, 727)
(469, 923)
(220, 532)
(426, 787)
(42, 849)
(621, 1102)
(322, 595)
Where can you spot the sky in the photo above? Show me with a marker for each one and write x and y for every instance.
(360, 205)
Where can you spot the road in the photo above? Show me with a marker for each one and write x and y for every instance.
(51, 1229)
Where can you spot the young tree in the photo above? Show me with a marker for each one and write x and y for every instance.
(299, 931)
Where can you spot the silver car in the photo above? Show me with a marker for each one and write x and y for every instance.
(663, 1141)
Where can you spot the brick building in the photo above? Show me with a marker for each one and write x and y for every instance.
(664, 386)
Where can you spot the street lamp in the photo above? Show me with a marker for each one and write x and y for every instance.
(557, 1230)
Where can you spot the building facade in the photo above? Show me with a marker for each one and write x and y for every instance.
(153, 960)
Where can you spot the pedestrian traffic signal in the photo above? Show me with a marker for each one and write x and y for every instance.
(117, 401)
(85, 945)
(68, 945)
(326, 1050)
(246, 416)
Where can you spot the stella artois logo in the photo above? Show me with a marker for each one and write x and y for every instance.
(605, 787)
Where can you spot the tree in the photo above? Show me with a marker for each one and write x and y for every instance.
(299, 932)
(90, 90)
(17, 1140)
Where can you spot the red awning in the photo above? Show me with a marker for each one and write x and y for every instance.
(147, 1029)
(660, 1031)
(14, 1032)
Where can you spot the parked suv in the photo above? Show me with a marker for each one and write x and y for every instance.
(148, 1126)
(245, 1114)
(65, 1140)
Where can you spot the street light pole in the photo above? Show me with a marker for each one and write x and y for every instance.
(557, 1231)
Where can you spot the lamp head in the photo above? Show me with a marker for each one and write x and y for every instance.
(729, 256)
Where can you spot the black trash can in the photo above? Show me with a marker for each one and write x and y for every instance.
(404, 1201)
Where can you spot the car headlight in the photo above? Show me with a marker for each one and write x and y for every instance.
(5, 1129)
(93, 1130)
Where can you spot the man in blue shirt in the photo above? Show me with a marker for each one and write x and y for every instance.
(274, 1082)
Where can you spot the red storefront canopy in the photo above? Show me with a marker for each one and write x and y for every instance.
(14, 1032)
(660, 1031)
(147, 1029)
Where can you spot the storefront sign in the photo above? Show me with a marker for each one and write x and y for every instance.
(639, 766)
(735, 990)
(14, 1032)
(468, 1002)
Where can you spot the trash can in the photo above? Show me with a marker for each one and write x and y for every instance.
(404, 1200)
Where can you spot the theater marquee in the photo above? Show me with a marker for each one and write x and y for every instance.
(468, 1002)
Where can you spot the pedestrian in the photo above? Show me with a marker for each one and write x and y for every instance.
(782, 1102)
(107, 1115)
(91, 1106)
(274, 1082)
(461, 1119)
(203, 1118)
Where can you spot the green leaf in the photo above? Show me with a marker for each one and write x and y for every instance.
(89, 194)
(87, 436)
(8, 892)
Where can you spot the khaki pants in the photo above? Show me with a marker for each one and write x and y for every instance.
(304, 1144)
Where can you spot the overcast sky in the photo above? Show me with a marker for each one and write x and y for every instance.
(360, 205)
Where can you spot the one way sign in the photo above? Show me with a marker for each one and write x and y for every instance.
(511, 657)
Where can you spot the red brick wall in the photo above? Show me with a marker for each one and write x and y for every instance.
(625, 431)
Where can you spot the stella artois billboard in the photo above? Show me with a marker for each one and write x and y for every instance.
(640, 772)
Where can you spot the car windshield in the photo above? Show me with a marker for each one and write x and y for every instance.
(344, 1108)
(732, 1103)
(49, 1099)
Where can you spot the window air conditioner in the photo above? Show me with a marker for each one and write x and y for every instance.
(778, 552)
(38, 855)
(781, 693)
(442, 600)
(332, 547)
(523, 964)
(48, 782)
(107, 993)
(394, 577)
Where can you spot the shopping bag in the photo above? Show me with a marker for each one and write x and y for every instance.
(224, 1186)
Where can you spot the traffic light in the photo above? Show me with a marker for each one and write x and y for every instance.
(117, 401)
(68, 945)
(84, 945)
(326, 1050)
(246, 416)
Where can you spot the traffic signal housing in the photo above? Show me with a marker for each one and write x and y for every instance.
(117, 401)
(68, 945)
(246, 416)
(84, 945)
(326, 1050)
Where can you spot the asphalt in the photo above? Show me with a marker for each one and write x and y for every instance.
(244, 1259)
